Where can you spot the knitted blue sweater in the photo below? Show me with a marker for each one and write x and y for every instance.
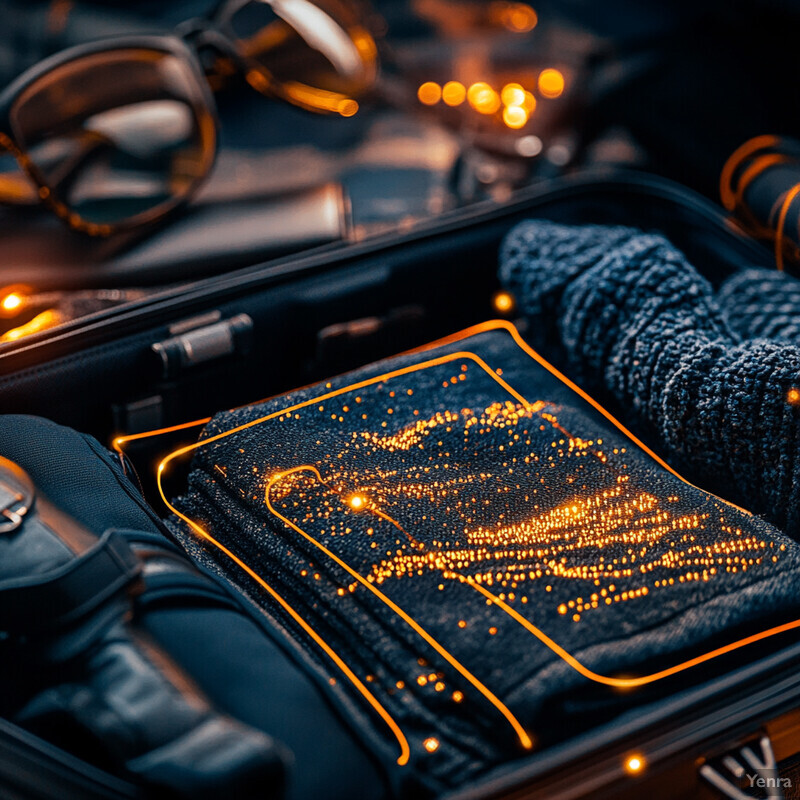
(634, 320)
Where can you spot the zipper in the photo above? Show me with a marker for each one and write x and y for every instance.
(110, 460)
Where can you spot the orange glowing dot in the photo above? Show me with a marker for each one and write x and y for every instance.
(793, 396)
(12, 301)
(634, 764)
(483, 98)
(492, 631)
(503, 302)
(462, 623)
(431, 744)
(357, 501)
(512, 94)
(515, 117)
(458, 696)
(422, 680)
(475, 89)
(454, 93)
(347, 108)
(551, 83)
(429, 93)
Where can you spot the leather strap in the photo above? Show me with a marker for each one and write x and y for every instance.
(57, 598)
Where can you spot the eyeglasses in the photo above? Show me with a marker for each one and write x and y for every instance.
(119, 133)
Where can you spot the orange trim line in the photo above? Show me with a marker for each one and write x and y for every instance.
(460, 355)
(787, 202)
(483, 327)
(727, 195)
(524, 738)
(405, 751)
(618, 683)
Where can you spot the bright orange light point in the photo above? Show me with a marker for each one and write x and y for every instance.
(513, 94)
(357, 501)
(483, 98)
(634, 764)
(793, 396)
(454, 93)
(11, 302)
(503, 302)
(515, 117)
(431, 744)
(429, 93)
(551, 83)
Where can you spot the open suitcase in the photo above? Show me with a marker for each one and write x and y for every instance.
(228, 340)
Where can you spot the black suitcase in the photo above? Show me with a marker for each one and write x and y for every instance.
(228, 340)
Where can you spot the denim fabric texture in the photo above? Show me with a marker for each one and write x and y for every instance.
(636, 322)
(433, 483)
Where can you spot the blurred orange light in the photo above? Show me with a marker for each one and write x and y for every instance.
(551, 83)
(529, 103)
(512, 95)
(635, 763)
(503, 302)
(47, 319)
(12, 301)
(454, 93)
(515, 117)
(516, 17)
(475, 89)
(483, 98)
(429, 93)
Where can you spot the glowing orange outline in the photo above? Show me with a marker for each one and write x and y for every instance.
(405, 751)
(787, 202)
(480, 328)
(727, 194)
(524, 738)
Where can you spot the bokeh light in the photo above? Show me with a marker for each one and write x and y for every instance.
(551, 83)
(429, 93)
(454, 93)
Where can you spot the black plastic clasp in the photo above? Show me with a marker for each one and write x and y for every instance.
(202, 339)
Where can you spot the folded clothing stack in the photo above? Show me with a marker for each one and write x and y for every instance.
(460, 544)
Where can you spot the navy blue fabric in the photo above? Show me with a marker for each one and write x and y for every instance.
(77, 473)
(236, 662)
(427, 485)
(634, 320)
(762, 303)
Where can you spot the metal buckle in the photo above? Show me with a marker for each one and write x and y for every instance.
(11, 516)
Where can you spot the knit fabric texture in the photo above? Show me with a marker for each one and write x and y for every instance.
(762, 303)
(455, 525)
(634, 320)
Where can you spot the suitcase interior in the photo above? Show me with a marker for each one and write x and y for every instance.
(337, 308)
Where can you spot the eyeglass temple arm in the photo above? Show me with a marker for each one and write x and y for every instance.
(16, 188)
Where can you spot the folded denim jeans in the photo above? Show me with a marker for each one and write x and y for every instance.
(459, 544)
